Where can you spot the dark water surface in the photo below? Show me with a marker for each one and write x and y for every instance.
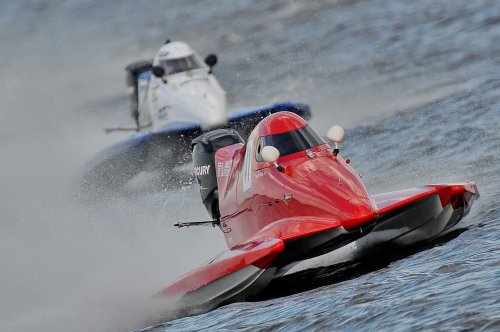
(453, 286)
(416, 84)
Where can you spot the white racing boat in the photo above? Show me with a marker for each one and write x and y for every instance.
(174, 98)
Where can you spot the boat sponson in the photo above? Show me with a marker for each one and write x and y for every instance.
(427, 214)
(259, 254)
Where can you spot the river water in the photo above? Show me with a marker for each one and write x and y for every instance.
(415, 84)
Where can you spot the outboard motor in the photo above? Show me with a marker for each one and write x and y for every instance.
(204, 148)
(134, 70)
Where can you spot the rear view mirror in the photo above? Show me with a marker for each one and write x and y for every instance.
(270, 154)
(158, 71)
(210, 61)
(336, 134)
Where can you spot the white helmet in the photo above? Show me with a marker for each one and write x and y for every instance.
(173, 50)
(176, 57)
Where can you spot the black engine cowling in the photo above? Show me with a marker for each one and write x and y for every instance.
(204, 148)
(134, 70)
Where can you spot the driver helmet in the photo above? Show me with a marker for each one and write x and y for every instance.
(287, 132)
(281, 122)
(176, 57)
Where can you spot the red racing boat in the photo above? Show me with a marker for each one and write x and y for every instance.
(287, 202)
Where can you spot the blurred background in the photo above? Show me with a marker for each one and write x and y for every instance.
(416, 85)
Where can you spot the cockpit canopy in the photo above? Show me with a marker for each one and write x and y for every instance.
(290, 142)
(175, 66)
(177, 57)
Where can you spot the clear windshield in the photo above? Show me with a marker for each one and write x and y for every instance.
(291, 141)
(174, 66)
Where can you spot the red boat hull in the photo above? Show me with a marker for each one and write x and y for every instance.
(403, 218)
(302, 209)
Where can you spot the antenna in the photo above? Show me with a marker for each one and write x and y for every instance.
(212, 223)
